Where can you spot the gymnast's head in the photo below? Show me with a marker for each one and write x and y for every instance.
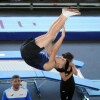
(16, 82)
(62, 63)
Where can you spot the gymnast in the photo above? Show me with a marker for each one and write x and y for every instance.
(67, 85)
(31, 48)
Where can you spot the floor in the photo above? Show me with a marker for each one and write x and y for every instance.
(86, 51)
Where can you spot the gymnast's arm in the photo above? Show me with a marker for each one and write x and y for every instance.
(73, 68)
(65, 77)
(74, 71)
(51, 63)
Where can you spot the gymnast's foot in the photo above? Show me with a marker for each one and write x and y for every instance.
(70, 12)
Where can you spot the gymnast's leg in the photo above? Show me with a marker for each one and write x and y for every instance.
(44, 40)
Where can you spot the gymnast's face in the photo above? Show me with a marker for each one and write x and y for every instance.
(60, 62)
(16, 83)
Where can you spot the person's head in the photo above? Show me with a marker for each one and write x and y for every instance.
(69, 56)
(15, 82)
(61, 64)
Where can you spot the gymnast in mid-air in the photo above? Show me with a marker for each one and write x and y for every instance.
(32, 47)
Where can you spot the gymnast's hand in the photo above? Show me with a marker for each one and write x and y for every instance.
(72, 64)
(63, 31)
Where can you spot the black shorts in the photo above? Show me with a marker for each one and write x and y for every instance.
(30, 52)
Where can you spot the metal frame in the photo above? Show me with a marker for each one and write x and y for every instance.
(31, 5)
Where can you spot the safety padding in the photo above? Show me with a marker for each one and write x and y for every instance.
(15, 55)
(54, 76)
(93, 93)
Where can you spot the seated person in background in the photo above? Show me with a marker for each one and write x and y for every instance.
(16, 92)
(67, 85)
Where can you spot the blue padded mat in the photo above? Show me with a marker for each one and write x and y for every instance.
(47, 75)
(10, 55)
(78, 81)
(52, 75)
(22, 74)
(39, 74)
(93, 92)
(21, 28)
(15, 55)
(86, 83)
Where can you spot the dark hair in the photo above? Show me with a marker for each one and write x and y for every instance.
(15, 76)
(64, 68)
(68, 55)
